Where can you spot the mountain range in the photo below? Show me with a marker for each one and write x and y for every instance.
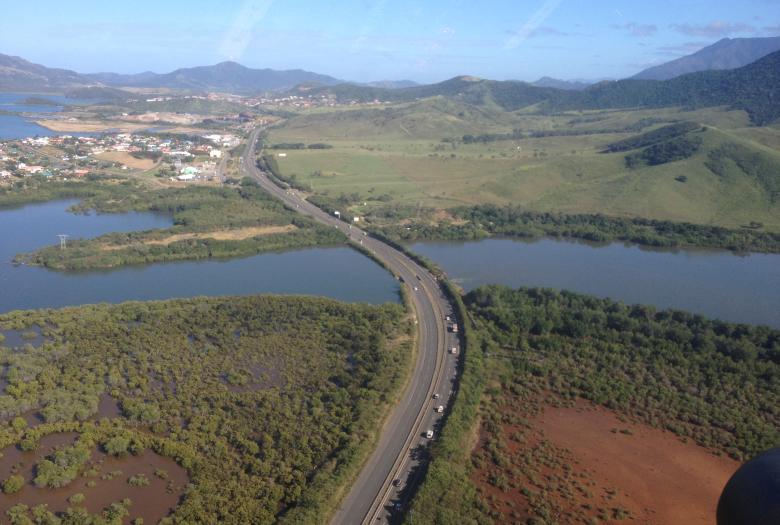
(17, 74)
(728, 53)
(575, 85)
(754, 88)
(225, 76)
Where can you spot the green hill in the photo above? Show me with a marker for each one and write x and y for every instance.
(401, 158)
(754, 88)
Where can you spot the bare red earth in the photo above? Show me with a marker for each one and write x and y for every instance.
(588, 466)
(661, 479)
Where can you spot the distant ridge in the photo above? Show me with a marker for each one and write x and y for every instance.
(754, 88)
(225, 76)
(728, 53)
(574, 85)
(17, 74)
(392, 84)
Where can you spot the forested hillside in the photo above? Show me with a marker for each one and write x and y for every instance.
(753, 88)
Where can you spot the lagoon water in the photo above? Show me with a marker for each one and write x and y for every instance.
(15, 102)
(718, 284)
(340, 273)
(17, 127)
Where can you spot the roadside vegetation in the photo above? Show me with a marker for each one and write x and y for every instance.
(486, 220)
(268, 404)
(713, 383)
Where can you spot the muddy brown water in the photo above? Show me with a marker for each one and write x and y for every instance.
(152, 502)
(108, 407)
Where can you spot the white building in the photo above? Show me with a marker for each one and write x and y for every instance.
(215, 154)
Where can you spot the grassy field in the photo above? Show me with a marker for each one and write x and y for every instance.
(396, 154)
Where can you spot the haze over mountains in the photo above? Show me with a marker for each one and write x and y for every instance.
(225, 76)
(17, 74)
(728, 53)
(753, 87)
(561, 84)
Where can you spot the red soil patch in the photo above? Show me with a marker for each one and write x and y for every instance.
(582, 464)
(659, 478)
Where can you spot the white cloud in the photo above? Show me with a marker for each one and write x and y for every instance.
(238, 37)
(716, 29)
(640, 30)
(532, 24)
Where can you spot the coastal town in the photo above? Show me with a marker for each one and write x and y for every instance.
(182, 158)
(150, 134)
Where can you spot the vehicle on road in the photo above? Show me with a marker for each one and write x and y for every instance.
(435, 396)
(454, 350)
(454, 328)
(440, 409)
(369, 492)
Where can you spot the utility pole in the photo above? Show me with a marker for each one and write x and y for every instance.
(63, 240)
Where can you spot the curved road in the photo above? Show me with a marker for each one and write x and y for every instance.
(381, 491)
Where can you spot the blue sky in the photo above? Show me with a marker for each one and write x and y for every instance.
(424, 40)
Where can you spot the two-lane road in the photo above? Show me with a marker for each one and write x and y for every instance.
(388, 472)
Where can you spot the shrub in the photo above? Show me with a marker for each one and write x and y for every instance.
(13, 484)
(138, 480)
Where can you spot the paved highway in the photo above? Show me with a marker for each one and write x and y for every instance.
(387, 480)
